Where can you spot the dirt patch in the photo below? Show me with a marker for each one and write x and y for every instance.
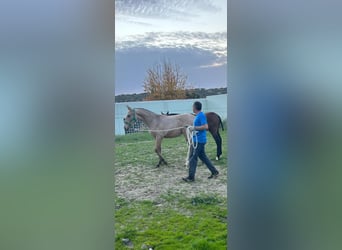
(140, 182)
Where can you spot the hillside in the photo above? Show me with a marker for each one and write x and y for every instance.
(191, 94)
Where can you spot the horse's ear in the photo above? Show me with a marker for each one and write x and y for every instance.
(129, 108)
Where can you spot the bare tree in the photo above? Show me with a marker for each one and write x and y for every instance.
(165, 81)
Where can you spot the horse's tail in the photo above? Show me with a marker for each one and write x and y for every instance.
(221, 122)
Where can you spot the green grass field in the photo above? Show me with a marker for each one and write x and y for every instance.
(155, 208)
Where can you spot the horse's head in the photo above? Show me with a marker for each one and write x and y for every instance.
(130, 118)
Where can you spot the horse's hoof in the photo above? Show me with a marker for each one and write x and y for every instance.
(217, 158)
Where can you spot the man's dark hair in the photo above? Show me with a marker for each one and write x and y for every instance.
(198, 106)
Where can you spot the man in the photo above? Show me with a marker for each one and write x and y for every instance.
(200, 138)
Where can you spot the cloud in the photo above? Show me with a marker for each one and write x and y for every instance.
(163, 8)
(213, 65)
(132, 20)
(197, 42)
(202, 55)
(132, 64)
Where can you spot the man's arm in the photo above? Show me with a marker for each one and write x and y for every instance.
(202, 127)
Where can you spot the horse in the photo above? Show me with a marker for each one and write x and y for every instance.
(160, 126)
(214, 123)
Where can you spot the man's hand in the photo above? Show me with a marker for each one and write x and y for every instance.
(191, 128)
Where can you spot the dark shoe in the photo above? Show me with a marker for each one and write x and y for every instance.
(187, 179)
(213, 175)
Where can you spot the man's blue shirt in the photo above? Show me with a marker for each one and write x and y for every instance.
(200, 120)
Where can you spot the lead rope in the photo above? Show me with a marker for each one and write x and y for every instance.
(191, 143)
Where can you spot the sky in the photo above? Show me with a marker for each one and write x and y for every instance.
(189, 33)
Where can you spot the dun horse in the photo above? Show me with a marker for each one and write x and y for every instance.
(214, 123)
(160, 126)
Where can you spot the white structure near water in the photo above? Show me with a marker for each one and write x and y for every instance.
(215, 103)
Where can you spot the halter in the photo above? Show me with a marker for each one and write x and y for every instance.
(132, 121)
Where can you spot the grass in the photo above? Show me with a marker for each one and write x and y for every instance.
(125, 144)
(199, 225)
(172, 220)
(131, 138)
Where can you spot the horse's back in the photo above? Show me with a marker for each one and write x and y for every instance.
(214, 121)
(175, 125)
(179, 120)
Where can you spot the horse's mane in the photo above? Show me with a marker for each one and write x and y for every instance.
(171, 114)
(147, 110)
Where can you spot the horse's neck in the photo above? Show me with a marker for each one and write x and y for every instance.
(146, 116)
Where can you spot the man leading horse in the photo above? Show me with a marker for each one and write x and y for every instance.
(200, 126)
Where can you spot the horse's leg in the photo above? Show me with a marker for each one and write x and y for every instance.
(218, 140)
(219, 146)
(158, 151)
(185, 136)
(188, 152)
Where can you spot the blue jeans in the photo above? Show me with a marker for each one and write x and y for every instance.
(199, 152)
